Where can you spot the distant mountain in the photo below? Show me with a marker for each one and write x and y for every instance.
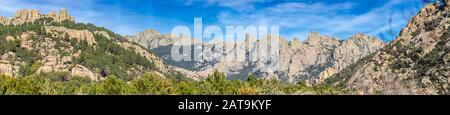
(34, 43)
(312, 61)
(416, 62)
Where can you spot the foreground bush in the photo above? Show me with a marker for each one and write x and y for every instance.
(153, 84)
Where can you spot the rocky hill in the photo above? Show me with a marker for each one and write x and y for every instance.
(34, 43)
(416, 62)
(312, 60)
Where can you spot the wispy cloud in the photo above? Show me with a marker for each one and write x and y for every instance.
(239, 5)
(298, 18)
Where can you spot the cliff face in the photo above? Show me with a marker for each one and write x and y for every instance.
(34, 43)
(416, 62)
(313, 60)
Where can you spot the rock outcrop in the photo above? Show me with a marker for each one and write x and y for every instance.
(416, 62)
(9, 38)
(80, 70)
(80, 35)
(62, 16)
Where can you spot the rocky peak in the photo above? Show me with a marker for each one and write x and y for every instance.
(146, 34)
(150, 32)
(295, 42)
(63, 15)
(365, 41)
(31, 15)
(26, 15)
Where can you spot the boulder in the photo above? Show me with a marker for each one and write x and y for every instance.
(9, 38)
(6, 69)
(79, 70)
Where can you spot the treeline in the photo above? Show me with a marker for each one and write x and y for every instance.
(62, 83)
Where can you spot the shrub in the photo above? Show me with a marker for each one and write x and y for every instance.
(153, 84)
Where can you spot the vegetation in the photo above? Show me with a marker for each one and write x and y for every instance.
(152, 84)
(14, 46)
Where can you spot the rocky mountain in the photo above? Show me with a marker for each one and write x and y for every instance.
(312, 61)
(416, 62)
(34, 43)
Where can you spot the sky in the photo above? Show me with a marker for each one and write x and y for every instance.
(295, 18)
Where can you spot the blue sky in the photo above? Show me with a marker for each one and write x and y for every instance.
(296, 18)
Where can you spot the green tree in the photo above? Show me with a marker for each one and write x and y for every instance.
(153, 84)
(112, 86)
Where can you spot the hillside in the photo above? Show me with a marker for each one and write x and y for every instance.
(416, 62)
